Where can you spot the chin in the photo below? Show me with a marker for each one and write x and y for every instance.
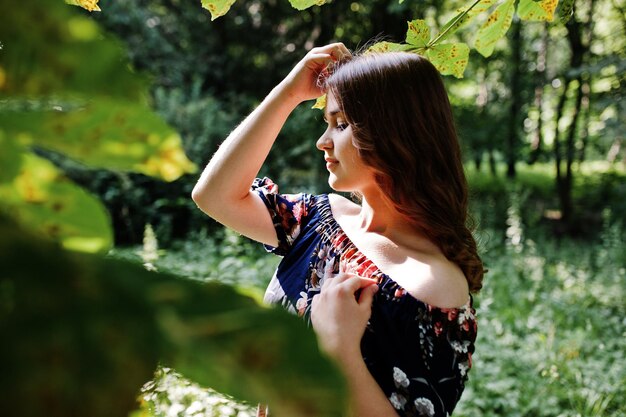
(338, 185)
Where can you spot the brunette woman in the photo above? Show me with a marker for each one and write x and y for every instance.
(385, 282)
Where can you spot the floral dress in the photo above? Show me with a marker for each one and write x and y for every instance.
(418, 353)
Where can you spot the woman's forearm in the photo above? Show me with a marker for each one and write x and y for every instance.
(237, 162)
(367, 399)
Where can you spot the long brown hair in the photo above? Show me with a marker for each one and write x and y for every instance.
(403, 127)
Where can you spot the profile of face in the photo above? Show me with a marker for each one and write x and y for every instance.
(347, 171)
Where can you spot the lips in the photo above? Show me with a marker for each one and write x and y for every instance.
(330, 163)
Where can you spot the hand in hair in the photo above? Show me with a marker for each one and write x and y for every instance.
(302, 81)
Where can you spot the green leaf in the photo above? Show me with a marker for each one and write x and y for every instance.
(10, 158)
(217, 8)
(305, 4)
(463, 16)
(494, 28)
(566, 10)
(449, 58)
(104, 133)
(381, 47)
(542, 10)
(418, 33)
(65, 53)
(67, 87)
(90, 330)
(43, 200)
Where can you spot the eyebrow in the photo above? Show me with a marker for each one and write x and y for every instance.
(332, 113)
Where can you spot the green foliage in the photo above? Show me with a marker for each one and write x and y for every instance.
(495, 27)
(172, 395)
(105, 323)
(36, 193)
(542, 10)
(305, 4)
(223, 256)
(219, 8)
(551, 329)
(94, 111)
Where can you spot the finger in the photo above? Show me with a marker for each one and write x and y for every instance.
(320, 59)
(354, 283)
(314, 301)
(341, 52)
(367, 296)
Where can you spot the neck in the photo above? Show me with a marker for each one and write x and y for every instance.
(377, 214)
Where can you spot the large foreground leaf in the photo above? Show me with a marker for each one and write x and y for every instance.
(105, 133)
(41, 198)
(67, 87)
(82, 334)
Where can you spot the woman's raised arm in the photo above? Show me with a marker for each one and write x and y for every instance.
(223, 190)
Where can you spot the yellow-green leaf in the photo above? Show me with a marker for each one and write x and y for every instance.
(305, 4)
(541, 10)
(464, 15)
(494, 28)
(217, 8)
(449, 58)
(320, 103)
(104, 133)
(418, 33)
(381, 47)
(43, 200)
(91, 5)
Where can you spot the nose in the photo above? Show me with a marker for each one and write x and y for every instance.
(324, 142)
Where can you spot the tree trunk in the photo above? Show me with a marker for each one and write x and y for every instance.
(585, 108)
(564, 178)
(513, 136)
(536, 146)
(561, 186)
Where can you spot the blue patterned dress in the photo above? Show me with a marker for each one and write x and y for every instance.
(419, 354)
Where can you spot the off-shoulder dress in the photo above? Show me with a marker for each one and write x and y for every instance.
(418, 353)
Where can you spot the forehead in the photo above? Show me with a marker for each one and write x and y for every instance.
(332, 107)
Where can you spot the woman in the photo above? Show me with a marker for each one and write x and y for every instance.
(386, 282)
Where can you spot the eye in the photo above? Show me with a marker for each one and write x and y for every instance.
(342, 126)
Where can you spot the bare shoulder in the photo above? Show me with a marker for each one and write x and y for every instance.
(439, 282)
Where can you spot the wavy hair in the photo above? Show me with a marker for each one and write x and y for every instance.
(403, 128)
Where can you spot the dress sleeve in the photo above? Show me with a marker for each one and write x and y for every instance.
(288, 212)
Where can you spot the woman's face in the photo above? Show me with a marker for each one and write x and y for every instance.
(347, 172)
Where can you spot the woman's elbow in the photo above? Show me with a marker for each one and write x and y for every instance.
(198, 195)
